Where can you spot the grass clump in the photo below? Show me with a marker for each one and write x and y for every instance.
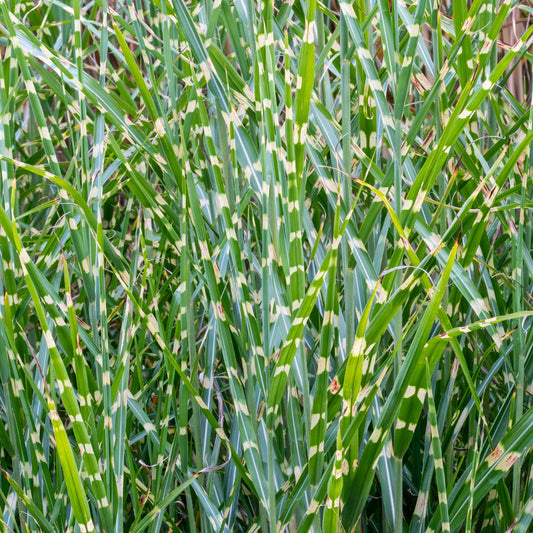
(266, 266)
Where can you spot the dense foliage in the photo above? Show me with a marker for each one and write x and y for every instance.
(266, 266)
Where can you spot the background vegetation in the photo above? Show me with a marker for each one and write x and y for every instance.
(266, 266)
